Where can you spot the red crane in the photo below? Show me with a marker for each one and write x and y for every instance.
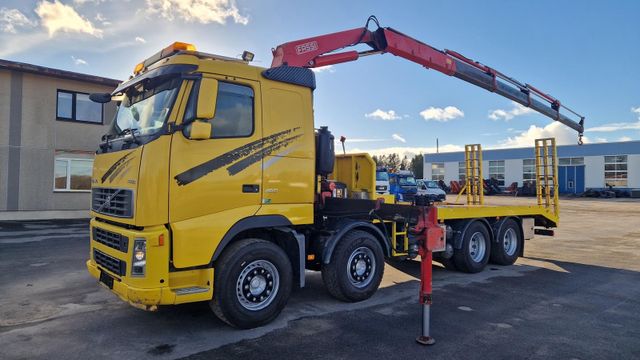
(321, 50)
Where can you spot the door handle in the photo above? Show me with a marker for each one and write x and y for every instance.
(250, 188)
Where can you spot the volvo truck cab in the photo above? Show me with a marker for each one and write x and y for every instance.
(403, 185)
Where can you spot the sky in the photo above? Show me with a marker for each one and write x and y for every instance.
(584, 53)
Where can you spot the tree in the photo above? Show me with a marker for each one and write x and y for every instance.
(393, 162)
(417, 166)
(404, 164)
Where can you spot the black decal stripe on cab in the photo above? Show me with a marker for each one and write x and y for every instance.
(246, 162)
(227, 158)
(114, 166)
(120, 169)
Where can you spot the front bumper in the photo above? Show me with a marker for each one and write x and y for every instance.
(158, 285)
(146, 299)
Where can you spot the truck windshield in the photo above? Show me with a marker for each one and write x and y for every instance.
(431, 184)
(382, 176)
(144, 108)
(407, 181)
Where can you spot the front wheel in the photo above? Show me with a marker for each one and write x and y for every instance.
(252, 283)
(356, 267)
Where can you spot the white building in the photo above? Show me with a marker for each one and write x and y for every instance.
(580, 167)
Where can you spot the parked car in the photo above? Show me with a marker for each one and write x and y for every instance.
(431, 189)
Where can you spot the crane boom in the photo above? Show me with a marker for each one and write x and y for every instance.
(321, 50)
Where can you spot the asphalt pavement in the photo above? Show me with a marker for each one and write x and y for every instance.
(575, 296)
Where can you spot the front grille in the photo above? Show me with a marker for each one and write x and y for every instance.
(111, 239)
(112, 264)
(114, 202)
(408, 197)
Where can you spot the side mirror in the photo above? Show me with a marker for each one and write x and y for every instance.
(101, 98)
(207, 94)
(198, 130)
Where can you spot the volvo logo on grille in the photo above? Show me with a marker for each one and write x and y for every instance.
(113, 202)
(107, 202)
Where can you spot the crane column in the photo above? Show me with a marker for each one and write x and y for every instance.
(431, 237)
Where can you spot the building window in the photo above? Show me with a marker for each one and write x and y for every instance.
(75, 106)
(571, 161)
(437, 171)
(496, 171)
(529, 171)
(615, 170)
(72, 172)
(462, 171)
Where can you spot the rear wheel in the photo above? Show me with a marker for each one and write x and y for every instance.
(506, 250)
(448, 264)
(356, 267)
(252, 282)
(476, 247)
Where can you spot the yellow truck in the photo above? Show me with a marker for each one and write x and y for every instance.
(213, 184)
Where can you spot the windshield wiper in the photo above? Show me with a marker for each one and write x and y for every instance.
(106, 145)
(132, 132)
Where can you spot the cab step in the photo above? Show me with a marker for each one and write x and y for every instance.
(191, 290)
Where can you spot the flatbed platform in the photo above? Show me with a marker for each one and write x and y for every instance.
(462, 211)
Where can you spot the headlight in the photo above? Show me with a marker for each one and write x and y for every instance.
(139, 257)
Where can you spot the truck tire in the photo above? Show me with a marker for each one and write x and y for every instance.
(253, 280)
(507, 248)
(448, 264)
(476, 249)
(356, 267)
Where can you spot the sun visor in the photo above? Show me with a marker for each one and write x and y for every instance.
(161, 71)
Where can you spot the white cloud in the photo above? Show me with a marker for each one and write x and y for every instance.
(202, 11)
(398, 138)
(625, 138)
(328, 68)
(140, 40)
(78, 61)
(615, 127)
(407, 150)
(563, 135)
(102, 19)
(440, 114)
(58, 17)
(11, 19)
(359, 140)
(619, 126)
(383, 115)
(507, 115)
(82, 2)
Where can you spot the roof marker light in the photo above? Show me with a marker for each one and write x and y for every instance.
(138, 68)
(166, 52)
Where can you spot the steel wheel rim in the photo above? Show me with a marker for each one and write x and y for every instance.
(361, 266)
(510, 241)
(477, 247)
(257, 285)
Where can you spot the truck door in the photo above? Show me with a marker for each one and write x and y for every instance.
(221, 175)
